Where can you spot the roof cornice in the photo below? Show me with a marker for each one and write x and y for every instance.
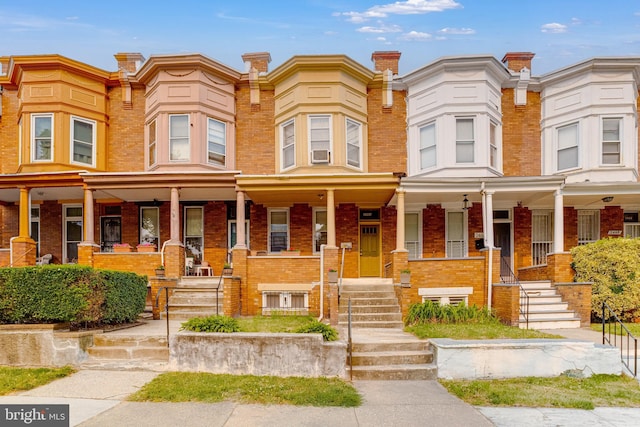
(320, 63)
(155, 63)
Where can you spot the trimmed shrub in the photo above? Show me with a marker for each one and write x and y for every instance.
(124, 297)
(432, 312)
(215, 323)
(316, 327)
(613, 265)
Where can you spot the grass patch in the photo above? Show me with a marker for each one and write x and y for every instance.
(20, 379)
(475, 331)
(211, 388)
(634, 328)
(273, 323)
(558, 392)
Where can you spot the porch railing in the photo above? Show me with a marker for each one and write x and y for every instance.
(612, 328)
(511, 278)
(166, 305)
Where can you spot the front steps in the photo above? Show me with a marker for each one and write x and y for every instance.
(546, 308)
(373, 304)
(195, 296)
(124, 351)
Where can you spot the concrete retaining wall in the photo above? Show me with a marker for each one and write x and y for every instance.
(42, 345)
(460, 359)
(305, 355)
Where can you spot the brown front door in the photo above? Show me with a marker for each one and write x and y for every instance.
(369, 251)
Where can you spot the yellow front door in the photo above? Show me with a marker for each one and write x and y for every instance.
(369, 251)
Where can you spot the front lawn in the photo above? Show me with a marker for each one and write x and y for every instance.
(273, 323)
(488, 330)
(20, 379)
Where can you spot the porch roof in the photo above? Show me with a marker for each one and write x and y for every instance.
(45, 186)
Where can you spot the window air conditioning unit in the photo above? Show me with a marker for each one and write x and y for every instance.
(319, 156)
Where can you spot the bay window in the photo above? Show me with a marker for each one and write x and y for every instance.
(428, 146)
(354, 143)
(179, 149)
(216, 142)
(567, 146)
(42, 137)
(287, 139)
(611, 141)
(83, 141)
(465, 140)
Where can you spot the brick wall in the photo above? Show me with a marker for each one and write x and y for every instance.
(433, 234)
(125, 137)
(474, 215)
(521, 149)
(387, 145)
(51, 230)
(255, 133)
(521, 237)
(347, 230)
(578, 297)
(301, 228)
(505, 301)
(215, 235)
(9, 131)
(611, 218)
(139, 263)
(570, 228)
(10, 223)
(388, 229)
(259, 224)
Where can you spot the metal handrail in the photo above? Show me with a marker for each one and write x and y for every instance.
(166, 306)
(349, 341)
(606, 338)
(513, 279)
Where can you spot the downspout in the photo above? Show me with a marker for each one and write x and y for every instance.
(11, 250)
(321, 282)
(487, 216)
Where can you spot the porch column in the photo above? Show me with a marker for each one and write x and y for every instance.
(25, 214)
(89, 236)
(400, 221)
(175, 215)
(240, 220)
(331, 219)
(488, 212)
(558, 223)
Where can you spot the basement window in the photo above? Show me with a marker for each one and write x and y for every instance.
(446, 296)
(274, 302)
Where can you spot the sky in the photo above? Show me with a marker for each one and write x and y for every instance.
(559, 32)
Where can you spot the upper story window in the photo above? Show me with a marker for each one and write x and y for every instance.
(567, 146)
(464, 140)
(493, 145)
(354, 143)
(153, 137)
(320, 138)
(179, 137)
(216, 142)
(428, 146)
(83, 141)
(288, 138)
(611, 141)
(42, 137)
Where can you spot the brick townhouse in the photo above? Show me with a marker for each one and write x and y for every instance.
(463, 171)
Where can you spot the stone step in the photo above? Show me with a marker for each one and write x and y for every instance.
(536, 306)
(550, 314)
(344, 302)
(129, 352)
(186, 315)
(205, 308)
(551, 324)
(370, 317)
(534, 299)
(373, 347)
(382, 308)
(366, 288)
(375, 324)
(394, 372)
(538, 284)
(367, 294)
(194, 300)
(118, 340)
(534, 292)
(368, 281)
(398, 357)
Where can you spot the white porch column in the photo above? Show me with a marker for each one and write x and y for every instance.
(488, 212)
(331, 219)
(89, 227)
(400, 221)
(240, 220)
(175, 215)
(558, 223)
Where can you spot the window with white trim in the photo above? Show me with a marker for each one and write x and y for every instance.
(150, 225)
(541, 235)
(456, 235)
(611, 141)
(278, 230)
(465, 140)
(288, 139)
(493, 145)
(412, 234)
(179, 147)
(428, 146)
(354, 143)
(320, 138)
(631, 224)
(193, 233)
(319, 228)
(291, 302)
(83, 141)
(41, 137)
(217, 142)
(153, 135)
(588, 226)
(567, 146)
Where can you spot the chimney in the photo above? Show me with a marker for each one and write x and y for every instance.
(386, 60)
(129, 62)
(4, 65)
(516, 61)
(258, 60)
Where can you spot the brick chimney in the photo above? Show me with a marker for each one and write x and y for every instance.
(258, 60)
(516, 61)
(386, 60)
(129, 62)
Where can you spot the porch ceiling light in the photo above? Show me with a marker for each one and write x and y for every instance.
(607, 199)
(465, 203)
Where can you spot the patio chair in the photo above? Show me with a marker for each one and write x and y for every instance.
(188, 266)
(44, 259)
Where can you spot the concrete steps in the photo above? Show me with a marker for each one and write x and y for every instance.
(373, 304)
(195, 296)
(120, 349)
(546, 308)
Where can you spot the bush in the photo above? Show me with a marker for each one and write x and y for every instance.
(125, 296)
(613, 265)
(211, 324)
(431, 312)
(316, 327)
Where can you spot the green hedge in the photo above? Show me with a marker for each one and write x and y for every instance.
(70, 293)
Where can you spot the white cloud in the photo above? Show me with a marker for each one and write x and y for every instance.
(381, 39)
(416, 36)
(457, 31)
(382, 28)
(408, 7)
(576, 21)
(554, 28)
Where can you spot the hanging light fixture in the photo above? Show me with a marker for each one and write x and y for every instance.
(465, 203)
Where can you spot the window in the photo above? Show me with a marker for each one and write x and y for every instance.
(493, 146)
(35, 227)
(152, 143)
(278, 230)
(179, 137)
(456, 235)
(319, 229)
(631, 224)
(320, 138)
(288, 138)
(354, 138)
(233, 233)
(428, 146)
(611, 141)
(83, 140)
(568, 147)
(412, 234)
(217, 142)
(42, 137)
(150, 225)
(290, 302)
(588, 226)
(541, 235)
(464, 140)
(193, 235)
(72, 232)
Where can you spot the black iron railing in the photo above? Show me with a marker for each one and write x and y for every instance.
(614, 332)
(511, 278)
(166, 305)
